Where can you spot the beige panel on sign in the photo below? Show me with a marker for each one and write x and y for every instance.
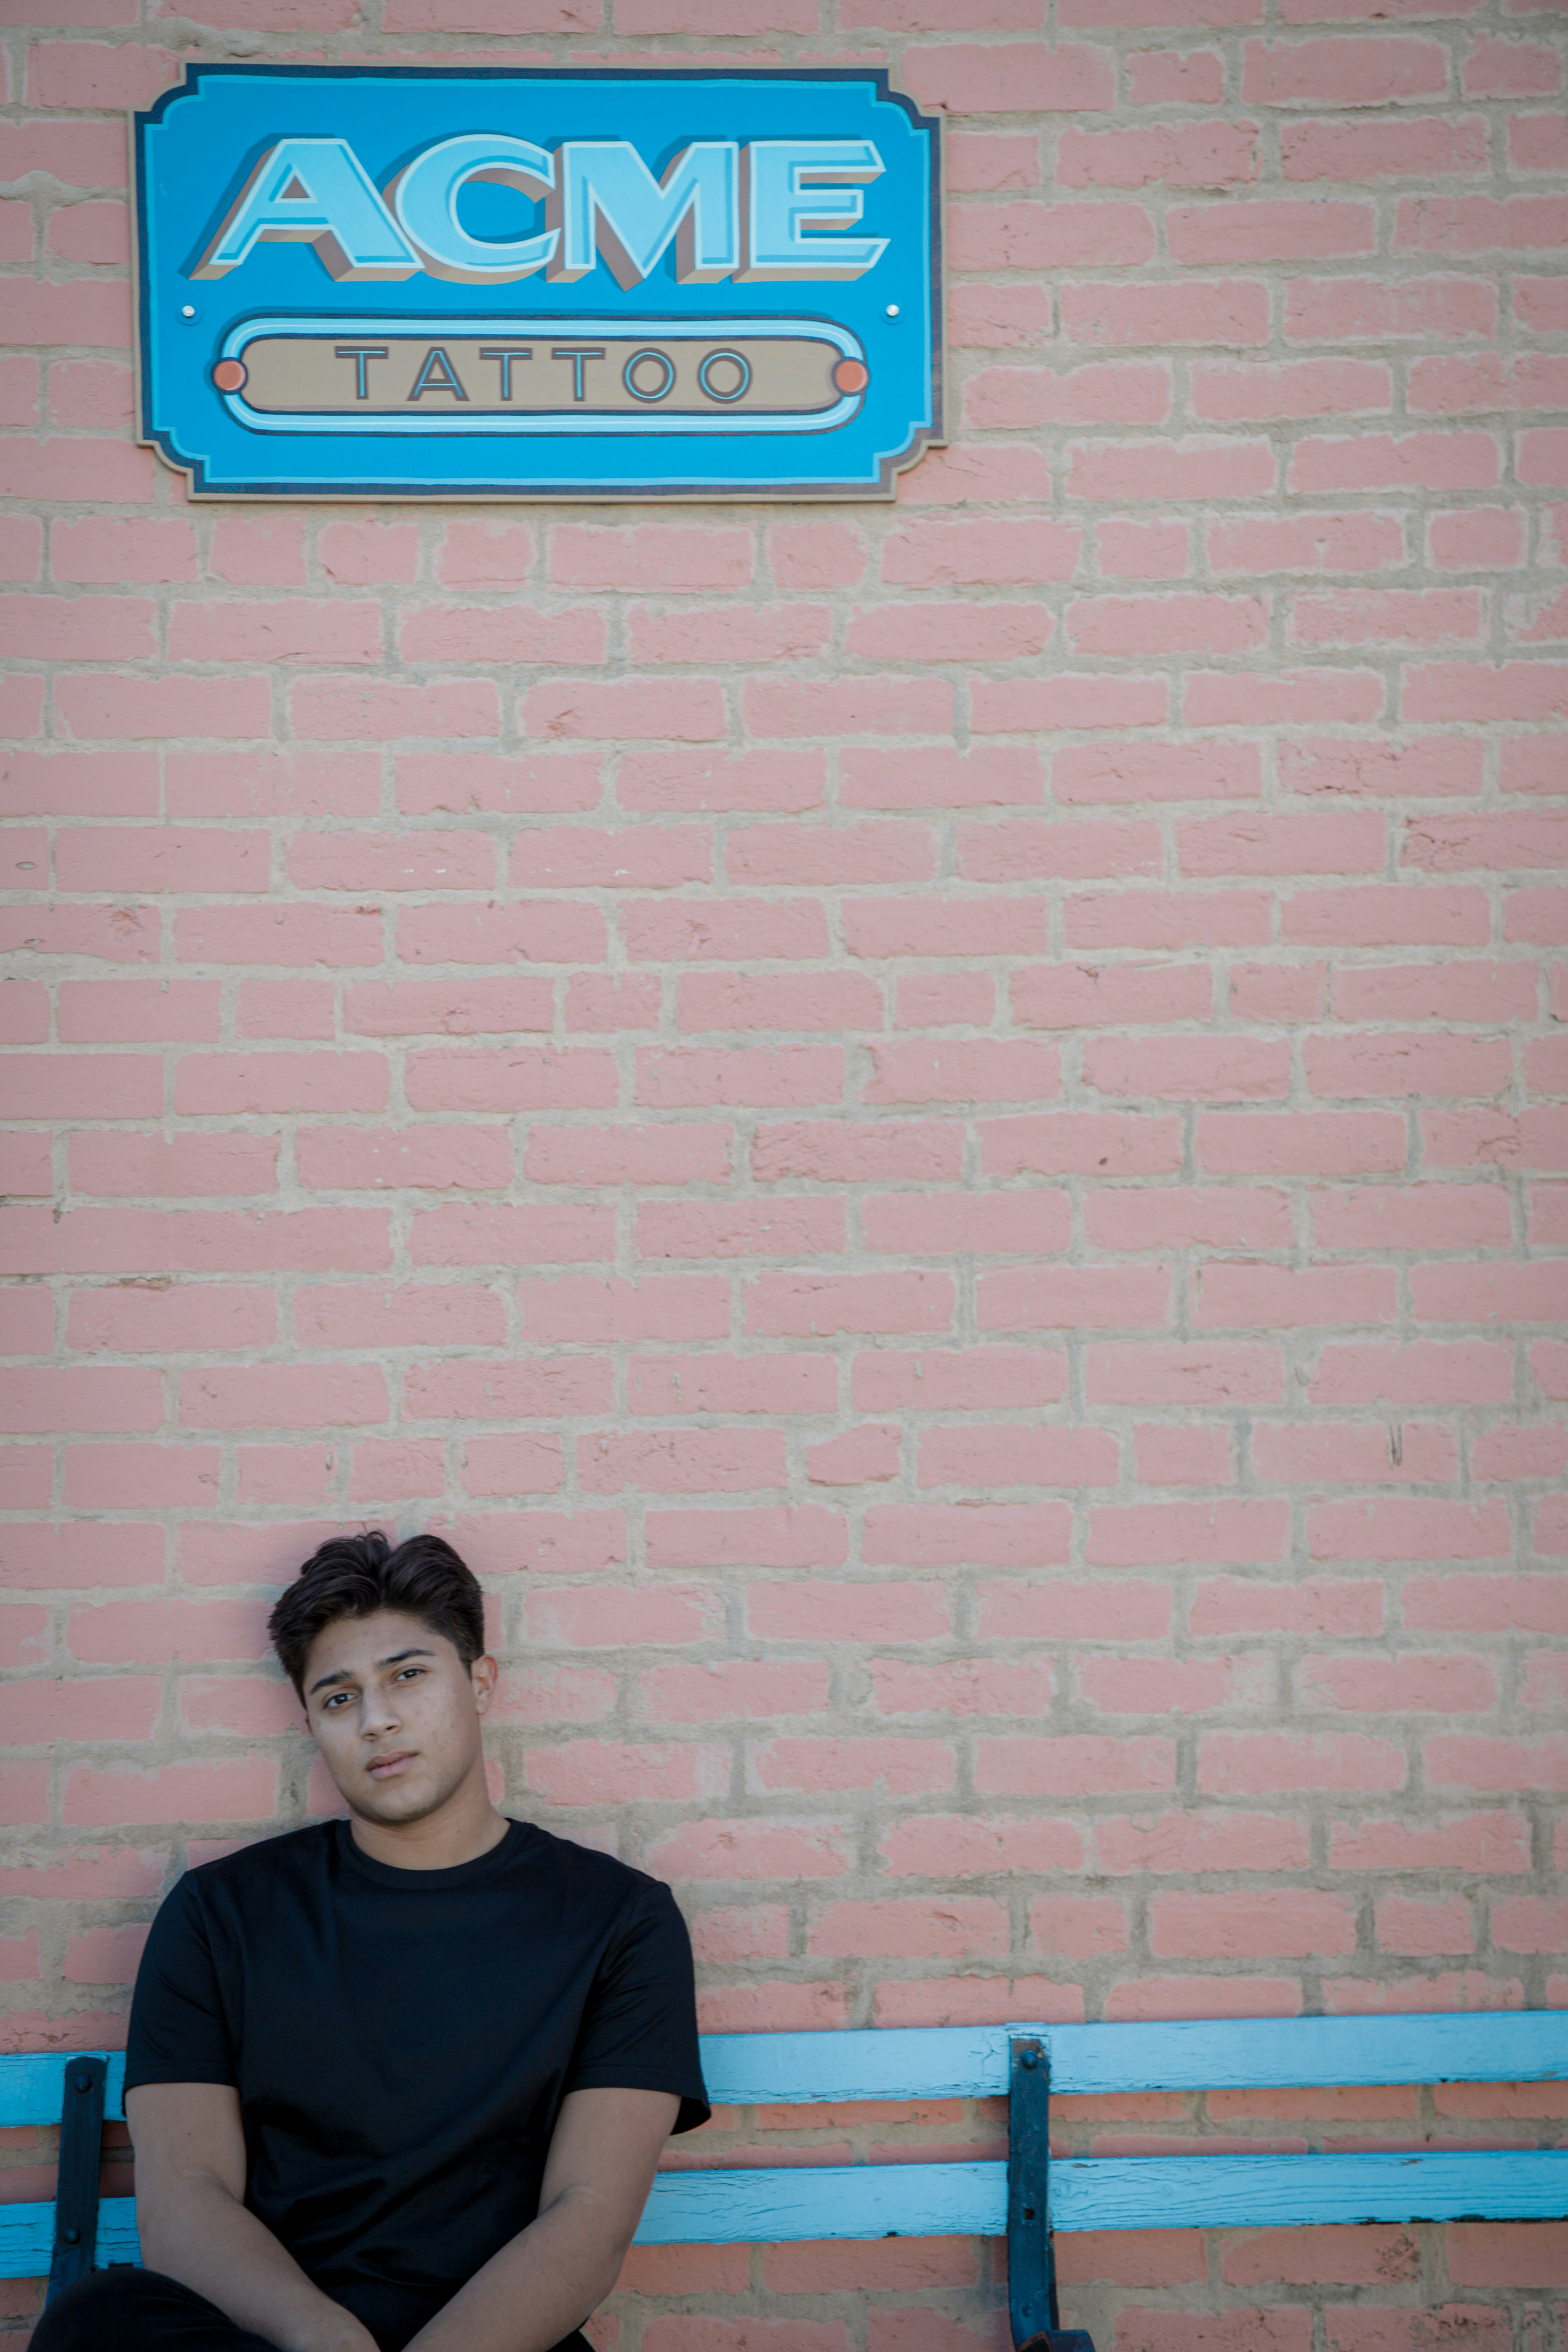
(288, 374)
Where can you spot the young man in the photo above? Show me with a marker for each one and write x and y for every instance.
(398, 2081)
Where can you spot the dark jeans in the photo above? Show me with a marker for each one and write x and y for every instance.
(126, 2310)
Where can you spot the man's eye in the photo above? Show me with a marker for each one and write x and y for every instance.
(327, 1705)
(406, 1673)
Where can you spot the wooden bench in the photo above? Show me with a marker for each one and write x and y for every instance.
(1023, 2199)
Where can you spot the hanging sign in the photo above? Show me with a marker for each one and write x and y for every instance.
(424, 282)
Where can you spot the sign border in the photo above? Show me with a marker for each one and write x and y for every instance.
(922, 436)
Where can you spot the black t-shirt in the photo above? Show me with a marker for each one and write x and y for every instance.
(402, 2040)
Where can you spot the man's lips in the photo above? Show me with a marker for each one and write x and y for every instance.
(384, 1768)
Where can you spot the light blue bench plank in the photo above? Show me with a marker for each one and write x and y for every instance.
(1236, 2192)
(1252, 2053)
(970, 2062)
(32, 2088)
(775, 2205)
(916, 2201)
(1291, 2052)
(27, 2236)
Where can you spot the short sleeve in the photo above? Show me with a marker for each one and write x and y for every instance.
(639, 2029)
(177, 2032)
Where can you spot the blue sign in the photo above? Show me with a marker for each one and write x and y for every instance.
(470, 282)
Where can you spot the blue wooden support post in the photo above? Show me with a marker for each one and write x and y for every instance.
(1031, 2257)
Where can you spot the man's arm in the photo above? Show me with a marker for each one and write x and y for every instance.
(193, 2225)
(546, 2280)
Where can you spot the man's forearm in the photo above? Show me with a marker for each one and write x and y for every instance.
(540, 2286)
(207, 2239)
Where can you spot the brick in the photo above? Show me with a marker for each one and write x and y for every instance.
(780, 856)
(1350, 71)
(1178, 1843)
(812, 1765)
(1355, 309)
(1162, 1686)
(1165, 918)
(864, 1455)
(1508, 2254)
(1395, 1062)
(1137, 772)
(768, 1850)
(220, 1789)
(1436, 1684)
(1377, 915)
(1015, 706)
(1452, 384)
(837, 1152)
(1229, 313)
(272, 782)
(1006, 1456)
(1181, 154)
(1458, 1760)
(1004, 553)
(1374, 461)
(1197, 1069)
(1000, 78)
(888, 1380)
(1144, 551)
(41, 1559)
(1535, 142)
(1364, 541)
(1261, 229)
(1429, 146)
(970, 1687)
(1092, 996)
(1197, 466)
(1479, 224)
(910, 1926)
(90, 706)
(992, 1223)
(1286, 1922)
(1073, 1765)
(903, 1611)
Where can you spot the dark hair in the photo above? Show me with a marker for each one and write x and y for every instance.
(354, 1576)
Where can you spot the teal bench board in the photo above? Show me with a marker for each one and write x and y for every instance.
(1025, 2200)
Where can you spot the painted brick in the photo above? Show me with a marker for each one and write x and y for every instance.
(1101, 1117)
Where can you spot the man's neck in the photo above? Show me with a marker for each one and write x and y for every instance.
(467, 1826)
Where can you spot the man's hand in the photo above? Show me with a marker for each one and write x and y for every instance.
(545, 2283)
(193, 2225)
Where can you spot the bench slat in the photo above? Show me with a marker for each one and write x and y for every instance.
(1240, 2192)
(970, 2062)
(1249, 2053)
(912, 2200)
(777, 2206)
(28, 2237)
(32, 2086)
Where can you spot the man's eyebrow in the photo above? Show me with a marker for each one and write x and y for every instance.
(324, 1682)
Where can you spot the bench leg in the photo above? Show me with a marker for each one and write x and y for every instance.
(75, 2191)
(1031, 2260)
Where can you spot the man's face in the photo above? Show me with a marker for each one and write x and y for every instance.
(395, 1714)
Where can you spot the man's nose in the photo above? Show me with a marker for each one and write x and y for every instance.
(378, 1713)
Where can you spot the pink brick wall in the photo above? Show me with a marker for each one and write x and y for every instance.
(930, 1130)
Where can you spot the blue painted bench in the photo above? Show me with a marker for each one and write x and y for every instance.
(1025, 2200)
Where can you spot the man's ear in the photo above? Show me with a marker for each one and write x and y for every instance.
(484, 1674)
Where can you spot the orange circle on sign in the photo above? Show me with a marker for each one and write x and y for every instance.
(229, 375)
(851, 375)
